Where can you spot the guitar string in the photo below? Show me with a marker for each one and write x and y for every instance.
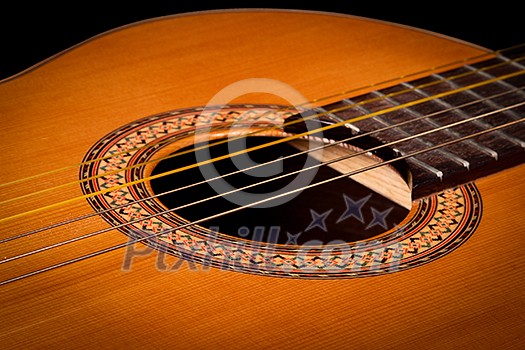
(433, 69)
(324, 146)
(251, 133)
(282, 140)
(346, 92)
(242, 136)
(335, 160)
(199, 221)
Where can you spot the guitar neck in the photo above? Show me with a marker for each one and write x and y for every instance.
(449, 128)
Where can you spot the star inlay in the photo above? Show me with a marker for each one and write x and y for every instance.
(318, 220)
(292, 239)
(354, 208)
(379, 218)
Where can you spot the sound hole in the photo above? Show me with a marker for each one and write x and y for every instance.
(338, 211)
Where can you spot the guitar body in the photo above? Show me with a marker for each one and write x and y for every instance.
(52, 115)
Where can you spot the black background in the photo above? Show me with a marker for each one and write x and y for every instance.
(31, 33)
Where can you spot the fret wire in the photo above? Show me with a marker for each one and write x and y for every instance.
(454, 157)
(423, 165)
(479, 147)
(512, 62)
(417, 162)
(485, 74)
(354, 128)
(481, 123)
(445, 104)
(420, 162)
(491, 102)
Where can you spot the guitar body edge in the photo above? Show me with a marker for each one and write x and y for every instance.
(137, 298)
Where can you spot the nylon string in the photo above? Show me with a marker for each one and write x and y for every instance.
(346, 92)
(279, 141)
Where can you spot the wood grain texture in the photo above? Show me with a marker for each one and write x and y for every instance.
(473, 297)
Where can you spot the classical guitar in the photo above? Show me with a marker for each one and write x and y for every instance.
(264, 179)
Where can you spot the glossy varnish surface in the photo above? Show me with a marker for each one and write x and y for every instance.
(473, 297)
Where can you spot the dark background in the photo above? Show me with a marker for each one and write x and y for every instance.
(30, 33)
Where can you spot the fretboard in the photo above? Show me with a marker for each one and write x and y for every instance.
(473, 111)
